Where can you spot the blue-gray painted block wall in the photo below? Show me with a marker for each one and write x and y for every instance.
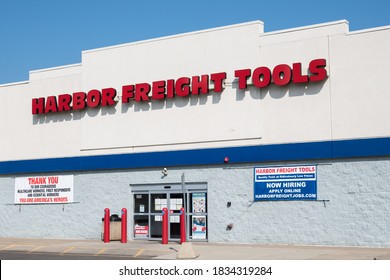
(353, 207)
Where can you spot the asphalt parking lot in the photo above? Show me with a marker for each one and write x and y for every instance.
(20, 248)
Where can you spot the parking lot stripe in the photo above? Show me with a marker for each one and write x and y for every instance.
(8, 247)
(101, 252)
(67, 250)
(140, 251)
(35, 249)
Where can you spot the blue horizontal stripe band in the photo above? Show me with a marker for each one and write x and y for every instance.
(373, 147)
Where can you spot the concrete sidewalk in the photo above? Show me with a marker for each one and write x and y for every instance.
(203, 251)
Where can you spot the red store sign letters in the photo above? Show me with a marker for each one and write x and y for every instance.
(260, 77)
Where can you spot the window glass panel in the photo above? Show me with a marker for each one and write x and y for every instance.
(198, 227)
(198, 202)
(141, 226)
(158, 202)
(176, 202)
(141, 203)
(156, 226)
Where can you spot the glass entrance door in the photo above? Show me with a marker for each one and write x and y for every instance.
(148, 220)
(175, 204)
(158, 201)
(148, 205)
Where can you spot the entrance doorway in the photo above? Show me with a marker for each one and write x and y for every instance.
(149, 201)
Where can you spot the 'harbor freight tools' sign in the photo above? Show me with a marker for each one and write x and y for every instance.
(285, 183)
(44, 189)
(261, 77)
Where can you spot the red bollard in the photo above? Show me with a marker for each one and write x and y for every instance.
(164, 226)
(182, 226)
(124, 226)
(106, 233)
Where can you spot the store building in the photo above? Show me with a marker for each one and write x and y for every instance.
(265, 137)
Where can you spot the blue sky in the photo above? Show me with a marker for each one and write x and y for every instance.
(38, 34)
